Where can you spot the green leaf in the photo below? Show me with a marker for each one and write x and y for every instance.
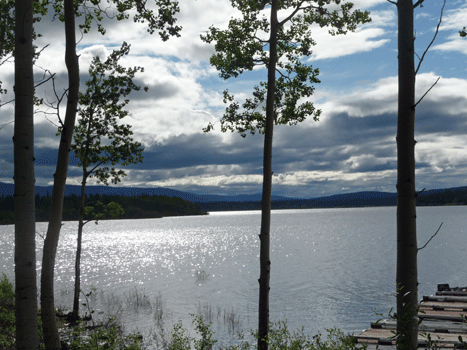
(242, 47)
(99, 138)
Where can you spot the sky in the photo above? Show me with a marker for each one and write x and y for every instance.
(351, 148)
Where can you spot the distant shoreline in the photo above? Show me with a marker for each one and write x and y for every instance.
(335, 207)
(134, 207)
(361, 200)
(150, 206)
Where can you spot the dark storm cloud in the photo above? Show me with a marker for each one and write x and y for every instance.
(186, 151)
(339, 130)
(448, 119)
(155, 91)
(329, 145)
(351, 144)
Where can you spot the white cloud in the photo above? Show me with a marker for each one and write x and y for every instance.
(349, 44)
(364, 160)
(364, 39)
(455, 19)
(290, 179)
(456, 44)
(380, 98)
(442, 152)
(185, 94)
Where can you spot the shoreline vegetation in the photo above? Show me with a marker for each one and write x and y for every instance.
(145, 206)
(134, 207)
(105, 330)
(442, 197)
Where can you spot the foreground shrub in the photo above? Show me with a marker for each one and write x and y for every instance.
(280, 338)
(7, 314)
(102, 336)
(86, 335)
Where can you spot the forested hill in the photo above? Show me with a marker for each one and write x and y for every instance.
(135, 207)
(158, 202)
(449, 196)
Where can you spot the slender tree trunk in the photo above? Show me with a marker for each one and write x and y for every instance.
(265, 261)
(407, 277)
(25, 229)
(51, 337)
(75, 314)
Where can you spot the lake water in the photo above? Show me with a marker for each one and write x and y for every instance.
(330, 267)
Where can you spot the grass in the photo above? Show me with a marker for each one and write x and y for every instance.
(108, 333)
(280, 338)
(232, 320)
(205, 312)
(160, 314)
(138, 301)
(89, 335)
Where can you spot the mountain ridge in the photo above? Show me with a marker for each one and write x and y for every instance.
(362, 198)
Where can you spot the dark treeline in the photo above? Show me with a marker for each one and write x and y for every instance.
(137, 207)
(452, 196)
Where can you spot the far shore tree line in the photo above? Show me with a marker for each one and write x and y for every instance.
(105, 207)
(279, 42)
(443, 198)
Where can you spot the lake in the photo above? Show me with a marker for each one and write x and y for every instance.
(330, 267)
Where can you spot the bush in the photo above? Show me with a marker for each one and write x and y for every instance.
(103, 336)
(7, 314)
(280, 338)
(98, 336)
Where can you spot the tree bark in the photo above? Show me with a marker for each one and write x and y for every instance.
(25, 229)
(265, 238)
(406, 276)
(75, 314)
(51, 337)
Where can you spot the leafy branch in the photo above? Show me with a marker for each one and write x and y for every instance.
(239, 49)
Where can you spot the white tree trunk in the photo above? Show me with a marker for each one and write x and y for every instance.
(51, 338)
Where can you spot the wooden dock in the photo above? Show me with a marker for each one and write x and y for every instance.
(443, 320)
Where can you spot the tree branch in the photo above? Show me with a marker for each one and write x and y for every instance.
(7, 102)
(418, 3)
(52, 76)
(39, 84)
(421, 98)
(392, 2)
(6, 59)
(94, 168)
(439, 228)
(288, 18)
(283, 75)
(434, 37)
(3, 125)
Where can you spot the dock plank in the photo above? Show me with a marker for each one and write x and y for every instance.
(443, 317)
(448, 298)
(428, 326)
(386, 335)
(443, 304)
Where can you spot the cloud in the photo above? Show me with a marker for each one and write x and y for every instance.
(351, 148)
(453, 21)
(455, 44)
(352, 43)
(354, 146)
(380, 98)
(362, 40)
